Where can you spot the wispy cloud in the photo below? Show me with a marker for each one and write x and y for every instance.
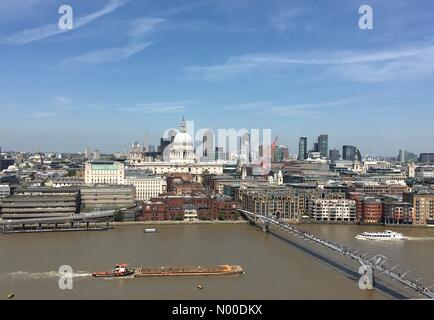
(108, 55)
(138, 28)
(247, 106)
(304, 109)
(161, 107)
(141, 26)
(262, 108)
(61, 101)
(370, 66)
(35, 34)
(283, 19)
(41, 115)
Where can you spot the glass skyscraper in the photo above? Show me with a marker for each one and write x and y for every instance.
(302, 149)
(323, 145)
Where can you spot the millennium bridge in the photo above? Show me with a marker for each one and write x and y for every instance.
(368, 262)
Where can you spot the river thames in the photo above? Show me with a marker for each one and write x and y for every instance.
(274, 270)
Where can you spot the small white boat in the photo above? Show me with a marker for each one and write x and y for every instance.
(381, 236)
(150, 230)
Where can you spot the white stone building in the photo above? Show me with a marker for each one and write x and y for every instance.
(147, 186)
(104, 172)
(341, 210)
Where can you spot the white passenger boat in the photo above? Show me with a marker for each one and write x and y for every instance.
(381, 236)
(150, 230)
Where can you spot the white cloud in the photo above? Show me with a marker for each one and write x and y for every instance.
(370, 66)
(61, 100)
(35, 34)
(161, 107)
(139, 27)
(269, 109)
(247, 106)
(143, 25)
(108, 54)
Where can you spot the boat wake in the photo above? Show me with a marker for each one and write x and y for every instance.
(25, 275)
(420, 238)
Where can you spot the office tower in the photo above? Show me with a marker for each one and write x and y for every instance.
(171, 135)
(323, 145)
(351, 153)
(219, 154)
(334, 155)
(426, 157)
(208, 145)
(87, 152)
(146, 141)
(302, 149)
(163, 144)
(406, 156)
(281, 153)
(96, 155)
(244, 151)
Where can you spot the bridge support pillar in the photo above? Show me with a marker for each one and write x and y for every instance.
(266, 227)
(367, 280)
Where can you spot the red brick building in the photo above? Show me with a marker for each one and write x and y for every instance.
(172, 207)
(372, 211)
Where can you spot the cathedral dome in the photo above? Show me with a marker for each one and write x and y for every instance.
(182, 147)
(183, 139)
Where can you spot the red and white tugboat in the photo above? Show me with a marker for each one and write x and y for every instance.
(120, 270)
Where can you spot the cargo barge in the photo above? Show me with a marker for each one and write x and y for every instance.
(227, 270)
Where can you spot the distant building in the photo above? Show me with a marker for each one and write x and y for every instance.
(219, 154)
(406, 156)
(302, 149)
(87, 153)
(334, 155)
(281, 153)
(379, 189)
(426, 158)
(208, 146)
(245, 149)
(323, 145)
(164, 143)
(6, 163)
(351, 153)
(96, 155)
(5, 191)
(137, 154)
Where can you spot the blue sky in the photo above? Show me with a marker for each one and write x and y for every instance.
(301, 68)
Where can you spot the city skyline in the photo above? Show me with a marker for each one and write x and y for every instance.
(132, 66)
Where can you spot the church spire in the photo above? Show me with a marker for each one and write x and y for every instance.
(183, 126)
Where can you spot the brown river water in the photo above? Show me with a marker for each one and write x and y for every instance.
(274, 270)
